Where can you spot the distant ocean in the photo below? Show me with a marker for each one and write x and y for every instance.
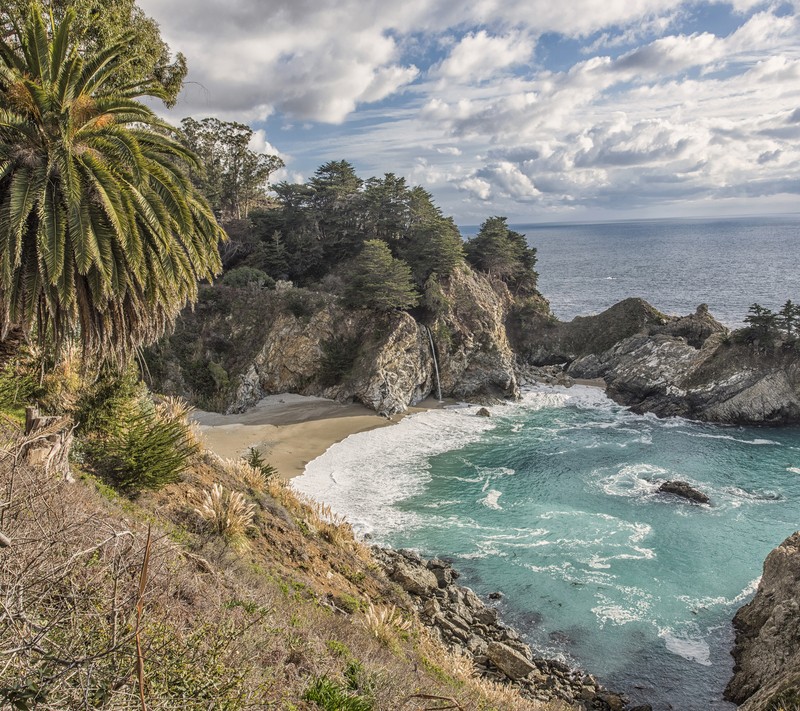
(674, 264)
(553, 499)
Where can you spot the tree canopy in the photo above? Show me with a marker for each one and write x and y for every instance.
(504, 253)
(324, 222)
(102, 235)
(379, 281)
(233, 177)
(98, 25)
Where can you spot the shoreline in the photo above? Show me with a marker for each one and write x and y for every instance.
(292, 430)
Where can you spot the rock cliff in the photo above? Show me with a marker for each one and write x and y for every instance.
(767, 653)
(691, 367)
(540, 339)
(476, 361)
(243, 344)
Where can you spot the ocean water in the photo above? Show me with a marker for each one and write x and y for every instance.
(553, 502)
(673, 264)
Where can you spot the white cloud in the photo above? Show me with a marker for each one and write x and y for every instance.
(478, 187)
(693, 114)
(479, 56)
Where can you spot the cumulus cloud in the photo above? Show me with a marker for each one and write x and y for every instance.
(474, 100)
(479, 56)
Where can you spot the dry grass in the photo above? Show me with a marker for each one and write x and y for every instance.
(219, 629)
(385, 624)
(251, 477)
(226, 513)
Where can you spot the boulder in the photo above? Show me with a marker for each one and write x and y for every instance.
(414, 579)
(684, 490)
(483, 412)
(510, 662)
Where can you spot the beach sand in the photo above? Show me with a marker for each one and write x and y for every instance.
(291, 430)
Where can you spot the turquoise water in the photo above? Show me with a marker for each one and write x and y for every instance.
(552, 501)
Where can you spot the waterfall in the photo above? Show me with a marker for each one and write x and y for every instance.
(435, 366)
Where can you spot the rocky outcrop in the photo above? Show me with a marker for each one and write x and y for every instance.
(476, 361)
(539, 339)
(691, 367)
(466, 624)
(243, 344)
(766, 674)
(683, 490)
(381, 361)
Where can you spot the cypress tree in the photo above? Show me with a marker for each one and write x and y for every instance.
(378, 281)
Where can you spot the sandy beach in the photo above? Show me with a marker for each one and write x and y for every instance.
(290, 430)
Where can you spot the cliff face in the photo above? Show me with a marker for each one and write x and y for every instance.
(476, 359)
(383, 361)
(241, 345)
(767, 653)
(689, 367)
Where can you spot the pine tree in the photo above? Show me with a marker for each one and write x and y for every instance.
(378, 281)
(503, 253)
(788, 318)
(762, 322)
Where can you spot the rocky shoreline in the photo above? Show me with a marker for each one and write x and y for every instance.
(470, 627)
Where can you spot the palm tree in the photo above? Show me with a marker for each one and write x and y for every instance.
(102, 236)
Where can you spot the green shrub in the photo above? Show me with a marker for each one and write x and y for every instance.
(248, 278)
(339, 354)
(128, 440)
(301, 303)
(255, 459)
(147, 449)
(340, 649)
(18, 387)
(332, 696)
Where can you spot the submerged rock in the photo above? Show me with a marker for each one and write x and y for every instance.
(684, 490)
(766, 672)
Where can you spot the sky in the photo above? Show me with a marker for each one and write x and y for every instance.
(539, 110)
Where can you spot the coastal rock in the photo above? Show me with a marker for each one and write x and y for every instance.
(508, 661)
(414, 579)
(476, 361)
(240, 345)
(684, 490)
(483, 412)
(465, 624)
(690, 368)
(540, 340)
(766, 672)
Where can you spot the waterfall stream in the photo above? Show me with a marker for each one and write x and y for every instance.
(435, 366)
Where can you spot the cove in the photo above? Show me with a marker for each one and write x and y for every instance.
(553, 502)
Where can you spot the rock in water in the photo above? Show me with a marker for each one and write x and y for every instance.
(483, 412)
(684, 490)
(766, 673)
